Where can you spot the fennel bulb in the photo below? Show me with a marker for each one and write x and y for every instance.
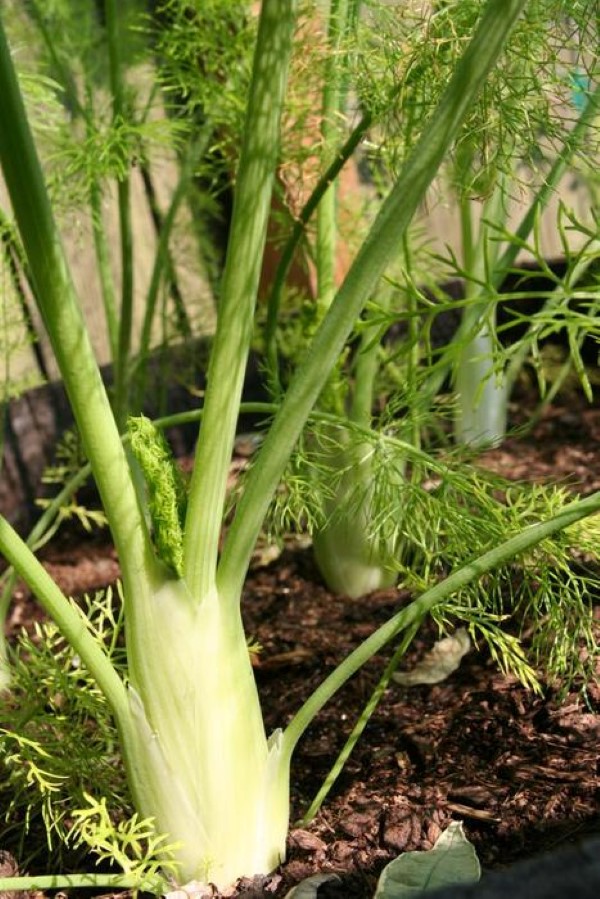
(197, 755)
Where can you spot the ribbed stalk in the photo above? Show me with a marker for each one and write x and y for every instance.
(254, 183)
(59, 307)
(378, 250)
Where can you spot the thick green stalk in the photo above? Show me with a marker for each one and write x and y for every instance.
(235, 324)
(198, 760)
(379, 248)
(197, 755)
(422, 606)
(63, 320)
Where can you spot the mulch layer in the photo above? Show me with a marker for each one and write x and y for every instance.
(520, 770)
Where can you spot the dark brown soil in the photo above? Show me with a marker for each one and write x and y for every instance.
(520, 770)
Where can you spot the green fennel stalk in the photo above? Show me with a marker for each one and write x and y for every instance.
(350, 560)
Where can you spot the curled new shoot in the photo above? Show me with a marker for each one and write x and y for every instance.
(198, 761)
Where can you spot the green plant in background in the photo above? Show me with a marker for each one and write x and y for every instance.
(352, 555)
(359, 543)
(101, 129)
(210, 790)
(526, 132)
(482, 386)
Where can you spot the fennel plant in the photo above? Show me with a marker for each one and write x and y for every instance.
(198, 762)
(531, 131)
(394, 86)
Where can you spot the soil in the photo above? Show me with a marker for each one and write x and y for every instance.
(522, 771)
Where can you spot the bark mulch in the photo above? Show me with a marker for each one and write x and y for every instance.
(519, 769)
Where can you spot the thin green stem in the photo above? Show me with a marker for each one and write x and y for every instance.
(235, 324)
(360, 725)
(422, 606)
(331, 110)
(67, 79)
(466, 231)
(93, 881)
(298, 231)
(379, 248)
(107, 286)
(72, 624)
(181, 317)
(162, 264)
(413, 361)
(122, 360)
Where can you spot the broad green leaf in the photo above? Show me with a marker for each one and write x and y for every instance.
(452, 860)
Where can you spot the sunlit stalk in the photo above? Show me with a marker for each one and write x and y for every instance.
(377, 251)
(63, 319)
(254, 184)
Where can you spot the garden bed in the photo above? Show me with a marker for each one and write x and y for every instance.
(520, 770)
